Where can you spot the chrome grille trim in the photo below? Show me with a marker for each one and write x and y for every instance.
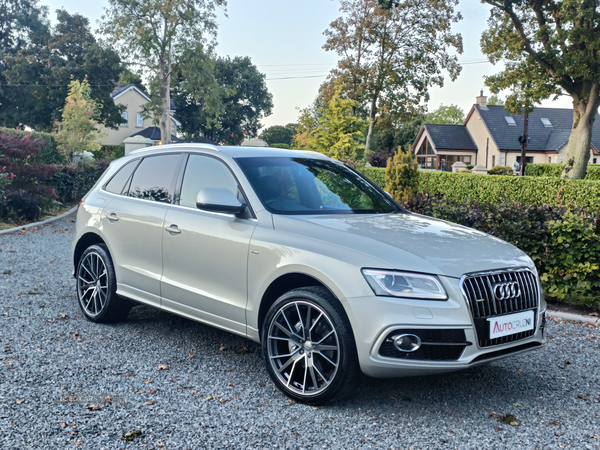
(478, 291)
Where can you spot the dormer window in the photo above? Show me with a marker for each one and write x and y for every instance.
(510, 121)
(546, 122)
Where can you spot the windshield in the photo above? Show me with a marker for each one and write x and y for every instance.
(313, 186)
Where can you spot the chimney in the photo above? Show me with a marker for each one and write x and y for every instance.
(481, 100)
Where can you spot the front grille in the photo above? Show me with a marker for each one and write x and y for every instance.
(479, 292)
(436, 345)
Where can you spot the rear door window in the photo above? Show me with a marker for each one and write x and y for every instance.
(117, 183)
(154, 178)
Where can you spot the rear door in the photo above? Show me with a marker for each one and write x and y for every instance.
(133, 226)
(205, 254)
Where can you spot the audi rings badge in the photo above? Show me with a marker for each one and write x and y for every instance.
(504, 291)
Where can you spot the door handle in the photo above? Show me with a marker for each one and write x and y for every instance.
(112, 217)
(173, 229)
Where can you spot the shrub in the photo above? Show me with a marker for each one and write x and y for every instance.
(49, 154)
(72, 182)
(500, 170)
(402, 176)
(375, 174)
(470, 166)
(380, 159)
(564, 245)
(555, 170)
(109, 152)
(285, 146)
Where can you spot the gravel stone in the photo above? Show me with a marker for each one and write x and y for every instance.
(68, 383)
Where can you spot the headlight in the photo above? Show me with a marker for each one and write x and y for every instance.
(404, 284)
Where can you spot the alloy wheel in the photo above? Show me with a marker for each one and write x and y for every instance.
(303, 348)
(92, 283)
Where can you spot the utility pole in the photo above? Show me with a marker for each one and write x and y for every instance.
(523, 140)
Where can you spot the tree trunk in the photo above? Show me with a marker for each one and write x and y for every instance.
(372, 120)
(578, 151)
(165, 100)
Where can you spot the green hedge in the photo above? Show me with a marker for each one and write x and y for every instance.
(525, 190)
(109, 152)
(50, 153)
(284, 146)
(375, 174)
(554, 170)
(482, 188)
(71, 183)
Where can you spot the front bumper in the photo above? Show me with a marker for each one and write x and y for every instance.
(374, 319)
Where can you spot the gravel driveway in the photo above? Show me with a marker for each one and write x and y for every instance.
(68, 383)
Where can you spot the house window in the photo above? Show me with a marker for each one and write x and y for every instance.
(595, 161)
(124, 117)
(140, 120)
(528, 159)
(549, 159)
(493, 160)
(510, 121)
(546, 122)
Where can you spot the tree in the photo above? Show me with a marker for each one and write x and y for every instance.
(279, 134)
(402, 175)
(495, 100)
(550, 48)
(226, 101)
(391, 56)
(153, 34)
(39, 72)
(338, 133)
(76, 132)
(450, 115)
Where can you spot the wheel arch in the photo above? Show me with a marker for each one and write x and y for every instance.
(84, 242)
(286, 283)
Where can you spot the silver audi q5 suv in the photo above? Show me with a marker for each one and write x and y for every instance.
(306, 256)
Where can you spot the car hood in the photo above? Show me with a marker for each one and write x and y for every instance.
(408, 241)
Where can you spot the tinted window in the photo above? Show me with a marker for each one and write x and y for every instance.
(119, 180)
(153, 179)
(205, 172)
(313, 186)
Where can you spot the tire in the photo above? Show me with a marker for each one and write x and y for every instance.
(97, 287)
(309, 346)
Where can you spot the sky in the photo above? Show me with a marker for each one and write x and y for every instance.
(284, 39)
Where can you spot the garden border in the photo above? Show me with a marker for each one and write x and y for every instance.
(43, 222)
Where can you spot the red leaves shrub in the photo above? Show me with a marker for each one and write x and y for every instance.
(27, 193)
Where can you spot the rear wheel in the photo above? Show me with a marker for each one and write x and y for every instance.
(97, 286)
(309, 346)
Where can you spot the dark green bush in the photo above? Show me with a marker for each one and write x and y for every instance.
(500, 170)
(375, 174)
(554, 170)
(564, 245)
(285, 146)
(109, 152)
(71, 183)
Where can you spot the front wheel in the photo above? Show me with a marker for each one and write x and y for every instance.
(309, 347)
(97, 287)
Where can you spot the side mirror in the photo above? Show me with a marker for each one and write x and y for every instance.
(219, 200)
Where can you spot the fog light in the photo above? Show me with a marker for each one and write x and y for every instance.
(407, 342)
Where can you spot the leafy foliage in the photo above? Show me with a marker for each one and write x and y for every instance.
(50, 154)
(402, 175)
(71, 183)
(76, 131)
(501, 170)
(222, 100)
(25, 178)
(449, 115)
(389, 57)
(555, 170)
(279, 134)
(549, 47)
(37, 69)
(338, 133)
(154, 34)
(109, 152)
